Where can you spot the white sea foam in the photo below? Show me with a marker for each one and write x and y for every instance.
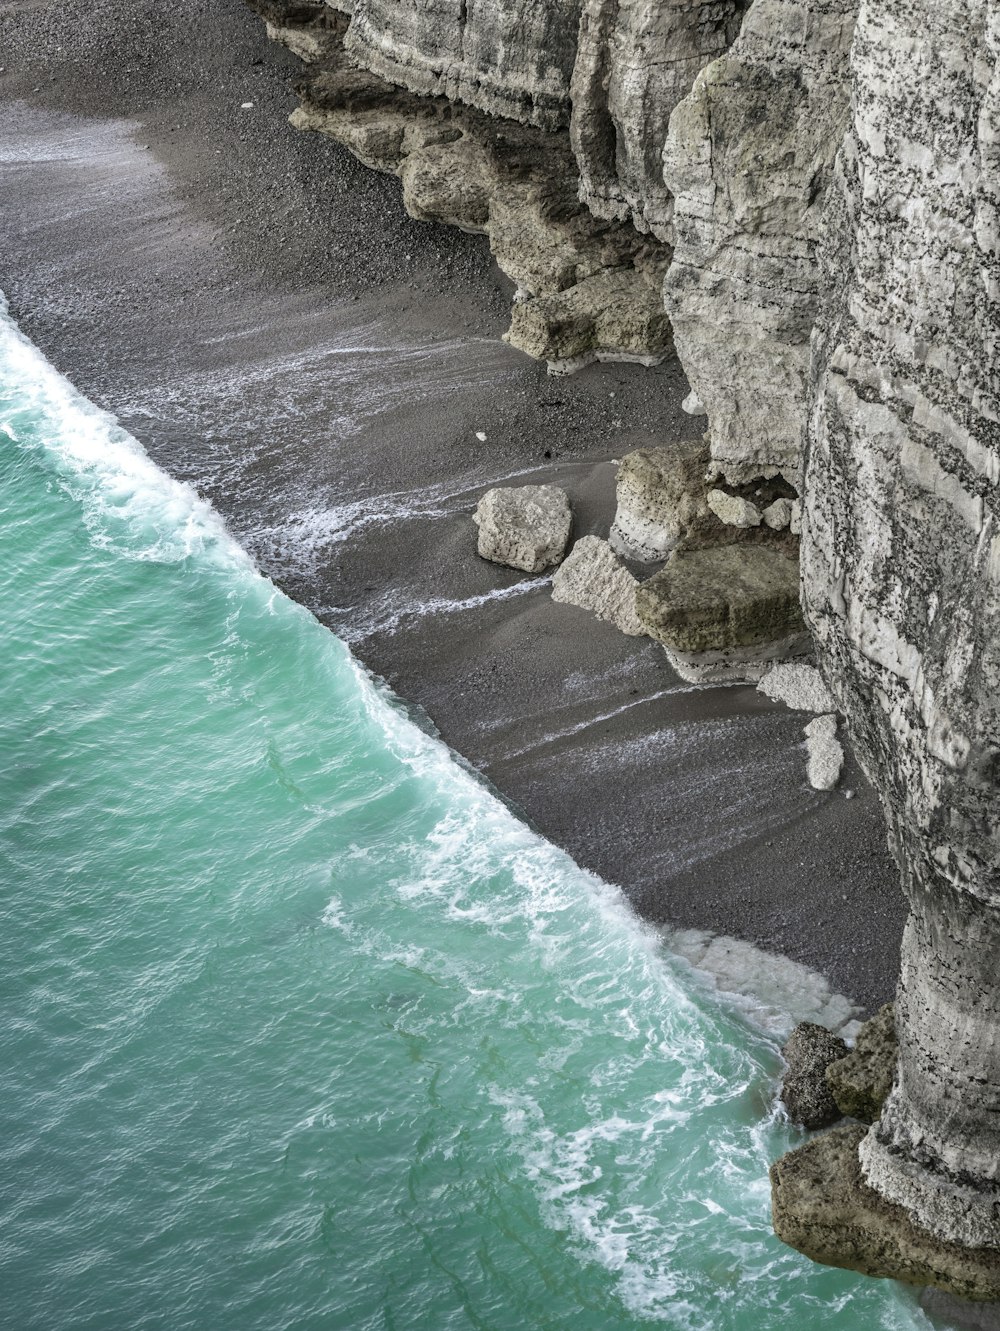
(773, 991)
(131, 504)
(128, 502)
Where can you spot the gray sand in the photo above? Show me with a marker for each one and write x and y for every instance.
(259, 311)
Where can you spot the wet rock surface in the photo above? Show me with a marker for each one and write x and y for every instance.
(860, 1082)
(822, 1205)
(809, 1051)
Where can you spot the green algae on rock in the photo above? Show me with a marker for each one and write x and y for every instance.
(861, 1082)
(822, 1206)
(720, 598)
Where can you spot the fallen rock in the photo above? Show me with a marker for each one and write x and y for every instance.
(525, 527)
(615, 315)
(799, 686)
(732, 510)
(809, 1051)
(719, 598)
(795, 518)
(778, 515)
(594, 578)
(826, 756)
(661, 500)
(822, 1206)
(861, 1081)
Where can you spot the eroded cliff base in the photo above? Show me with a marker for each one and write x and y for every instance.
(586, 288)
(823, 1207)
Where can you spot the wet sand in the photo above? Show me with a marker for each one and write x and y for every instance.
(258, 310)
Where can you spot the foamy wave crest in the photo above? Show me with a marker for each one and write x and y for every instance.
(128, 503)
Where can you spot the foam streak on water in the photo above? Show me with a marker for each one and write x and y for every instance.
(300, 1026)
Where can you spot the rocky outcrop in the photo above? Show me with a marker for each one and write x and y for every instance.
(594, 578)
(861, 1081)
(749, 159)
(525, 527)
(902, 567)
(511, 58)
(636, 59)
(661, 501)
(586, 289)
(822, 1206)
(809, 1051)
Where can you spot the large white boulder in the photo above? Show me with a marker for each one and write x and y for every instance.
(525, 527)
(826, 757)
(594, 578)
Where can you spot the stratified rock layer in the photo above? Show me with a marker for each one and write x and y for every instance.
(512, 58)
(822, 1206)
(749, 159)
(901, 561)
(661, 501)
(636, 59)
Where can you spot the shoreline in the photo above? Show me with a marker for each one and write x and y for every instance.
(324, 392)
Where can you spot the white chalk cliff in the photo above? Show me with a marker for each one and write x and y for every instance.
(805, 196)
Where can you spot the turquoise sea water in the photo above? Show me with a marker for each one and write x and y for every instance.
(299, 1026)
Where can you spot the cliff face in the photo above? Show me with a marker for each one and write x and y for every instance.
(749, 159)
(901, 564)
(511, 58)
(636, 59)
(824, 183)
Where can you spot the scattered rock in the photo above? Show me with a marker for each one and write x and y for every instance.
(525, 527)
(610, 316)
(809, 1051)
(732, 510)
(733, 596)
(799, 686)
(778, 515)
(594, 578)
(861, 1081)
(822, 1206)
(826, 756)
(693, 405)
(661, 500)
